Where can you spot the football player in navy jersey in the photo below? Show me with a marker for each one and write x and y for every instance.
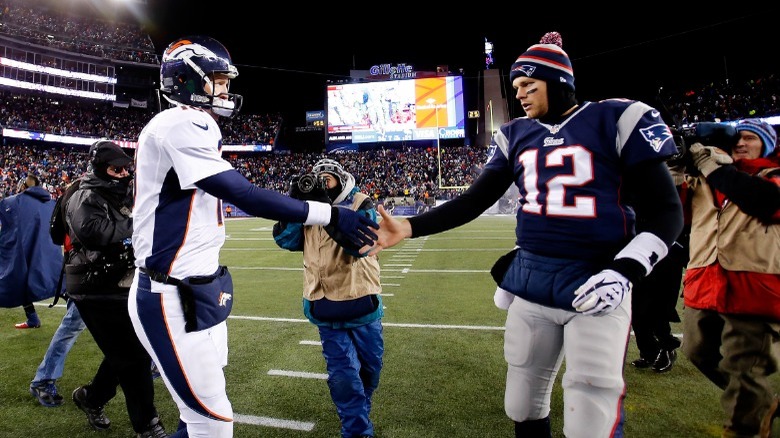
(178, 228)
(585, 171)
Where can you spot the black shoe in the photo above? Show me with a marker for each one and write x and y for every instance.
(155, 430)
(665, 361)
(46, 393)
(642, 363)
(96, 416)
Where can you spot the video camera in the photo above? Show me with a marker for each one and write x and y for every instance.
(309, 187)
(721, 135)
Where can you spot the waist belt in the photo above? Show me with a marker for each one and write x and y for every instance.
(160, 277)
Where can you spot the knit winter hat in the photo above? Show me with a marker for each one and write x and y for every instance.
(546, 61)
(764, 130)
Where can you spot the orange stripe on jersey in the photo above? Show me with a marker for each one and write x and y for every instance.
(186, 230)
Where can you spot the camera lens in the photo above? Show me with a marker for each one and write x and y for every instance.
(307, 183)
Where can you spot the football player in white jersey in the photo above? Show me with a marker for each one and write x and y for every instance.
(178, 228)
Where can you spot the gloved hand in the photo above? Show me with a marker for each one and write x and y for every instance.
(601, 294)
(708, 158)
(503, 299)
(351, 229)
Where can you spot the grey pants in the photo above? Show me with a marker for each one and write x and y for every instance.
(750, 349)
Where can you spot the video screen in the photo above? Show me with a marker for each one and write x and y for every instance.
(398, 110)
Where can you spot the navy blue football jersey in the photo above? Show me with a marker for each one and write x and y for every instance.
(570, 175)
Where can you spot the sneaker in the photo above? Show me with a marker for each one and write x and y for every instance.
(155, 371)
(96, 416)
(642, 363)
(155, 430)
(46, 393)
(664, 361)
(28, 325)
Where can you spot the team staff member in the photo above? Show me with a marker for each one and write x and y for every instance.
(178, 228)
(568, 285)
(346, 284)
(731, 324)
(28, 257)
(97, 278)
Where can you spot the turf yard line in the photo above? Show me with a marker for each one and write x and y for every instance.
(273, 422)
(301, 374)
(310, 343)
(391, 284)
(387, 295)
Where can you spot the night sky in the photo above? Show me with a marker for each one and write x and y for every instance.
(286, 54)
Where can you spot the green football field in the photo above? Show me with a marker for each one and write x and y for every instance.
(444, 366)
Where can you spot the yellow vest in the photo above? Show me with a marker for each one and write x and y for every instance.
(329, 271)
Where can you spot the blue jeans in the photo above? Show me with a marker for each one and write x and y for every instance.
(353, 358)
(54, 360)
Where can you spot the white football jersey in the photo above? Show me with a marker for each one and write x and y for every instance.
(178, 229)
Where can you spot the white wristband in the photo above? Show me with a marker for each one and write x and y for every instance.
(319, 213)
(646, 248)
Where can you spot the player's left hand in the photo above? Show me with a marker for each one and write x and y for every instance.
(601, 294)
(708, 158)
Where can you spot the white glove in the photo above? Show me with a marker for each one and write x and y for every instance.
(708, 158)
(503, 299)
(602, 293)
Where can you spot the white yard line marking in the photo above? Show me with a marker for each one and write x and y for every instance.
(387, 295)
(397, 265)
(301, 374)
(310, 343)
(392, 276)
(278, 423)
(391, 284)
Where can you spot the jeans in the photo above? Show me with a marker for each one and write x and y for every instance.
(353, 358)
(54, 360)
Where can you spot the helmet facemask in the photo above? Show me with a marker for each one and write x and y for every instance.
(188, 65)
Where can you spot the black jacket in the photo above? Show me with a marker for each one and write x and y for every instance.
(100, 226)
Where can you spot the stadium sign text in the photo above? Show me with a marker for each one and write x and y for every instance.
(400, 71)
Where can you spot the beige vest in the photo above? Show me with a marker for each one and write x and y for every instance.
(739, 242)
(328, 271)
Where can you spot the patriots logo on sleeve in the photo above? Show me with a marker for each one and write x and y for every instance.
(491, 151)
(656, 135)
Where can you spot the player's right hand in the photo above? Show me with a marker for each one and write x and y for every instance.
(351, 229)
(601, 294)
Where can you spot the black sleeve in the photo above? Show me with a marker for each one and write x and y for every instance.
(231, 186)
(754, 195)
(486, 190)
(655, 200)
(90, 222)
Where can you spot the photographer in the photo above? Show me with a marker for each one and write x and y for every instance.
(340, 295)
(98, 277)
(731, 324)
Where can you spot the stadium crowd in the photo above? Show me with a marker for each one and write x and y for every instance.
(76, 33)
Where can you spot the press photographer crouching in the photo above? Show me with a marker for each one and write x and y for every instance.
(98, 278)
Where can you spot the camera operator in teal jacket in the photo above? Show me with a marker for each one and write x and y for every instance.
(340, 295)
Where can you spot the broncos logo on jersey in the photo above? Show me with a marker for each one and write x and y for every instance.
(656, 135)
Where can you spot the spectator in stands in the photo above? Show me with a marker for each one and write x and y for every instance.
(731, 324)
(30, 262)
